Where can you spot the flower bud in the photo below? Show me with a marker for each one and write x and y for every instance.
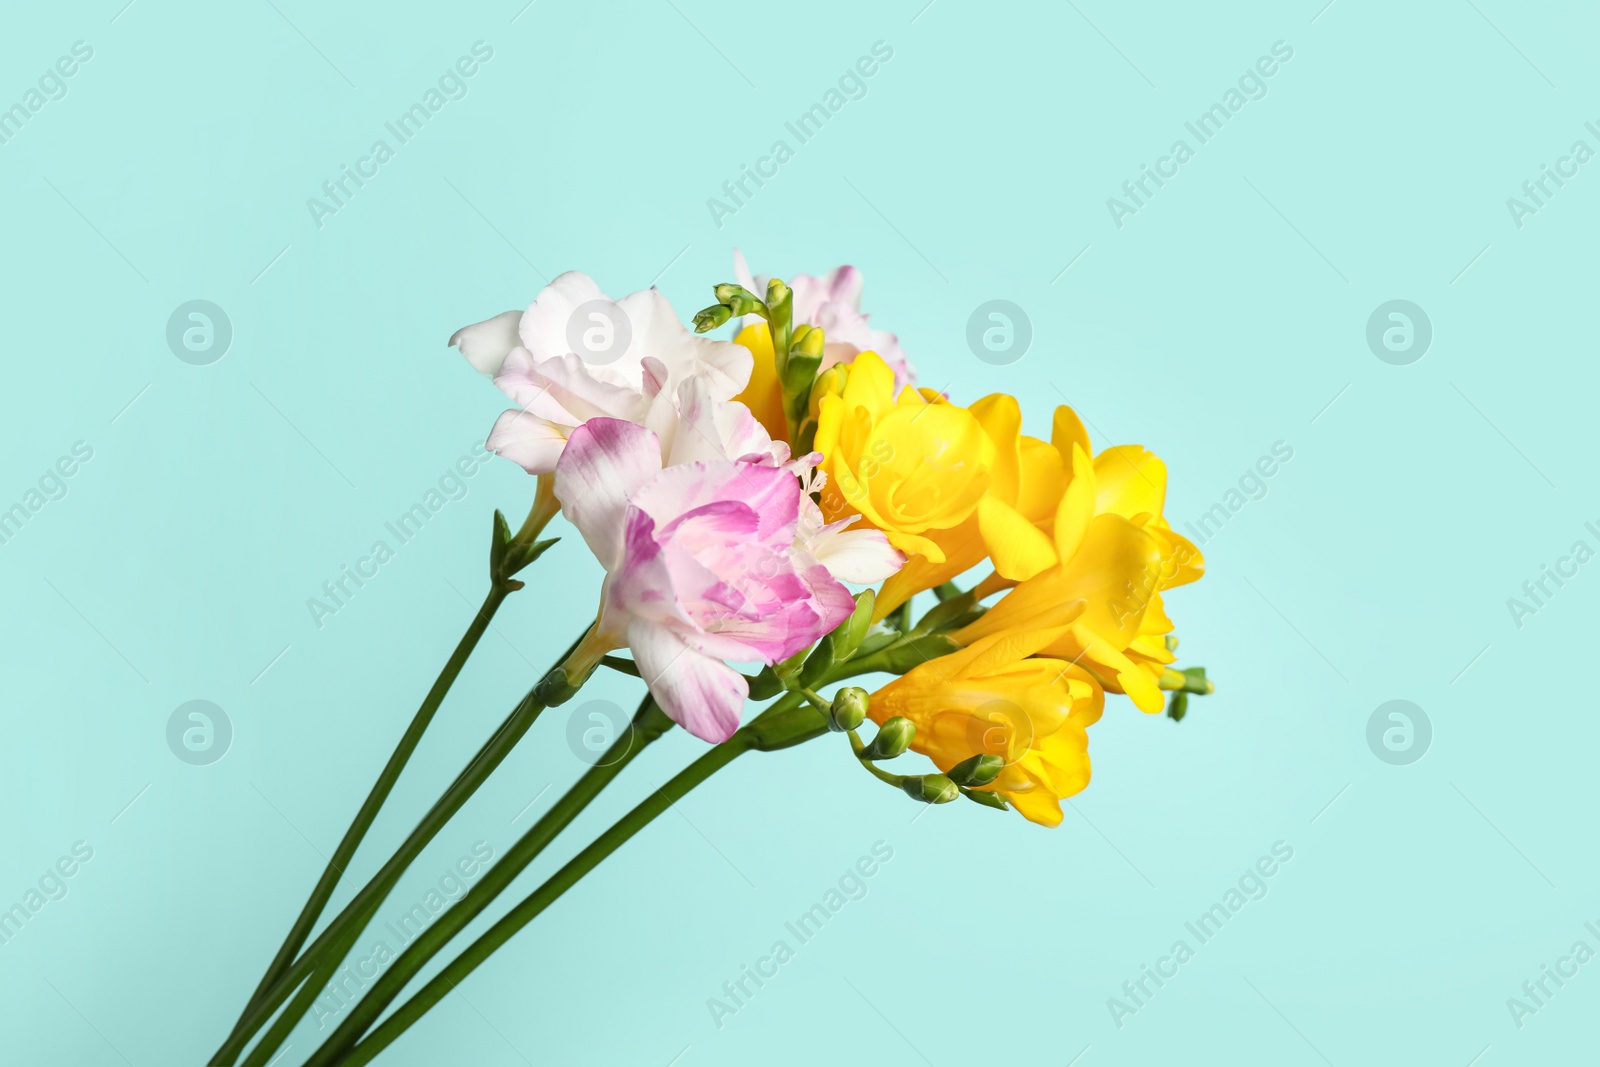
(712, 317)
(986, 798)
(1197, 682)
(849, 709)
(894, 737)
(809, 340)
(850, 634)
(1178, 706)
(930, 788)
(977, 770)
(829, 383)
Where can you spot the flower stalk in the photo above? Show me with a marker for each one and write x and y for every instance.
(508, 555)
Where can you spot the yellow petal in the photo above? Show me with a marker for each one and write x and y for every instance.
(1018, 548)
(1076, 510)
(763, 395)
(870, 385)
(1130, 481)
(1041, 481)
(1067, 430)
(1001, 419)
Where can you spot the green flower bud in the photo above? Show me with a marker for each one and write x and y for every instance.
(849, 709)
(712, 317)
(930, 788)
(850, 634)
(977, 770)
(894, 737)
(730, 294)
(838, 646)
(1178, 706)
(986, 798)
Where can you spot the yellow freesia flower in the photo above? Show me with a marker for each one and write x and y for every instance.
(1119, 554)
(993, 697)
(947, 485)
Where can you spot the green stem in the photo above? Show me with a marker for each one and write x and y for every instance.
(647, 725)
(368, 813)
(786, 723)
(360, 910)
(859, 747)
(621, 665)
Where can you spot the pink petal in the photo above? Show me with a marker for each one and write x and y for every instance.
(605, 463)
(771, 492)
(703, 695)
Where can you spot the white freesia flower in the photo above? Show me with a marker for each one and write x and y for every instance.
(576, 354)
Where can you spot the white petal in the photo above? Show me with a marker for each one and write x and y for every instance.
(656, 331)
(544, 327)
(860, 557)
(486, 344)
(532, 443)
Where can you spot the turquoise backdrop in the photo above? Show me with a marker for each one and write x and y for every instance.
(187, 484)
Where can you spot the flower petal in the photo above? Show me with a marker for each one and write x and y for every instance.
(702, 694)
(1018, 548)
(532, 443)
(486, 344)
(860, 557)
(606, 462)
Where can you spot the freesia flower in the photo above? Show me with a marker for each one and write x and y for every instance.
(1110, 514)
(945, 483)
(996, 697)
(576, 354)
(706, 561)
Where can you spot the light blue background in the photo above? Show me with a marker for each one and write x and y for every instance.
(1228, 314)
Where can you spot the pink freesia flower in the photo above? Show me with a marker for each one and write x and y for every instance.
(833, 302)
(576, 354)
(706, 561)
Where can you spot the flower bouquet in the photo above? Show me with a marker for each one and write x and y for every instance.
(768, 510)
